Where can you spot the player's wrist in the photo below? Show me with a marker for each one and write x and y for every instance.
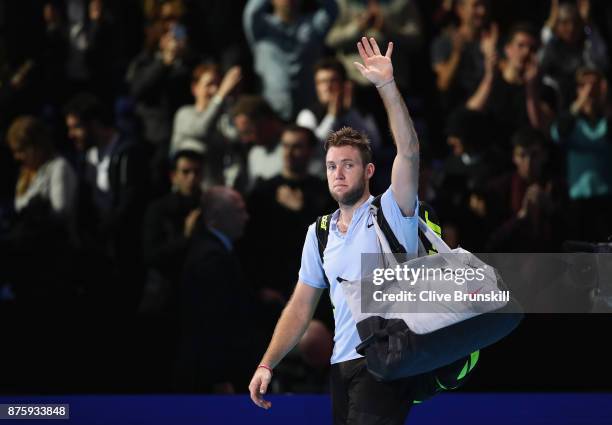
(265, 366)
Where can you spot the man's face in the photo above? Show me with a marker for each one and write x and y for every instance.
(207, 86)
(528, 161)
(520, 49)
(296, 151)
(347, 176)
(187, 176)
(247, 130)
(473, 12)
(327, 82)
(566, 27)
(289, 7)
(78, 133)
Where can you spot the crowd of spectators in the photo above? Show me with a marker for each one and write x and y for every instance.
(160, 160)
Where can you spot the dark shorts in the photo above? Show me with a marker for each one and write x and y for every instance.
(359, 399)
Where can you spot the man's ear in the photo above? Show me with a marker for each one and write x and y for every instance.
(370, 170)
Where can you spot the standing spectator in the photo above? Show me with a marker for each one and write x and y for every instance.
(168, 227)
(292, 200)
(285, 46)
(334, 106)
(510, 93)
(259, 128)
(584, 133)
(457, 54)
(201, 124)
(571, 41)
(387, 20)
(159, 80)
(114, 175)
(211, 358)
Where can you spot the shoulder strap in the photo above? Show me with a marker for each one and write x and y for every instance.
(322, 231)
(394, 244)
(426, 212)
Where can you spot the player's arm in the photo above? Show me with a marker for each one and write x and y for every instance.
(378, 69)
(290, 327)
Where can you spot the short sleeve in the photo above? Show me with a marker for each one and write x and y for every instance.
(404, 228)
(311, 269)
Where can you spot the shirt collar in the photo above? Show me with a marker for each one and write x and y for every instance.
(227, 242)
(356, 215)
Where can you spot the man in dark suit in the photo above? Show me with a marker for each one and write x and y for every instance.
(217, 342)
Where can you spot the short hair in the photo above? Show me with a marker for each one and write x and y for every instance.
(29, 132)
(87, 108)
(185, 153)
(522, 28)
(310, 136)
(203, 69)
(528, 137)
(588, 70)
(347, 136)
(254, 107)
(331, 64)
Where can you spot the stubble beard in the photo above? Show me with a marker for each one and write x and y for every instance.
(351, 197)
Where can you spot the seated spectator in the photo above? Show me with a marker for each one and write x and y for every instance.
(216, 303)
(334, 109)
(114, 173)
(398, 21)
(584, 133)
(291, 200)
(509, 93)
(457, 54)
(259, 128)
(201, 124)
(44, 175)
(285, 46)
(571, 41)
(168, 227)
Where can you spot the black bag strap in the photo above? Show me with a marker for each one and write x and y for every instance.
(426, 212)
(322, 231)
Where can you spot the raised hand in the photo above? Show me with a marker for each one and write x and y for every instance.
(377, 68)
(230, 81)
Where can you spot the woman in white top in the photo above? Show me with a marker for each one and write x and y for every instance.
(43, 174)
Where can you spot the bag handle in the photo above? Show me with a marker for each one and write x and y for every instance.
(436, 241)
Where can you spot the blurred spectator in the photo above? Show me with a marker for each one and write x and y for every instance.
(458, 53)
(93, 48)
(201, 125)
(292, 200)
(39, 247)
(584, 133)
(168, 227)
(211, 358)
(259, 128)
(334, 107)
(510, 93)
(44, 175)
(385, 20)
(159, 79)
(571, 41)
(285, 46)
(527, 201)
(114, 173)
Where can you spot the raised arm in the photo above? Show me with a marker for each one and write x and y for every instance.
(378, 69)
